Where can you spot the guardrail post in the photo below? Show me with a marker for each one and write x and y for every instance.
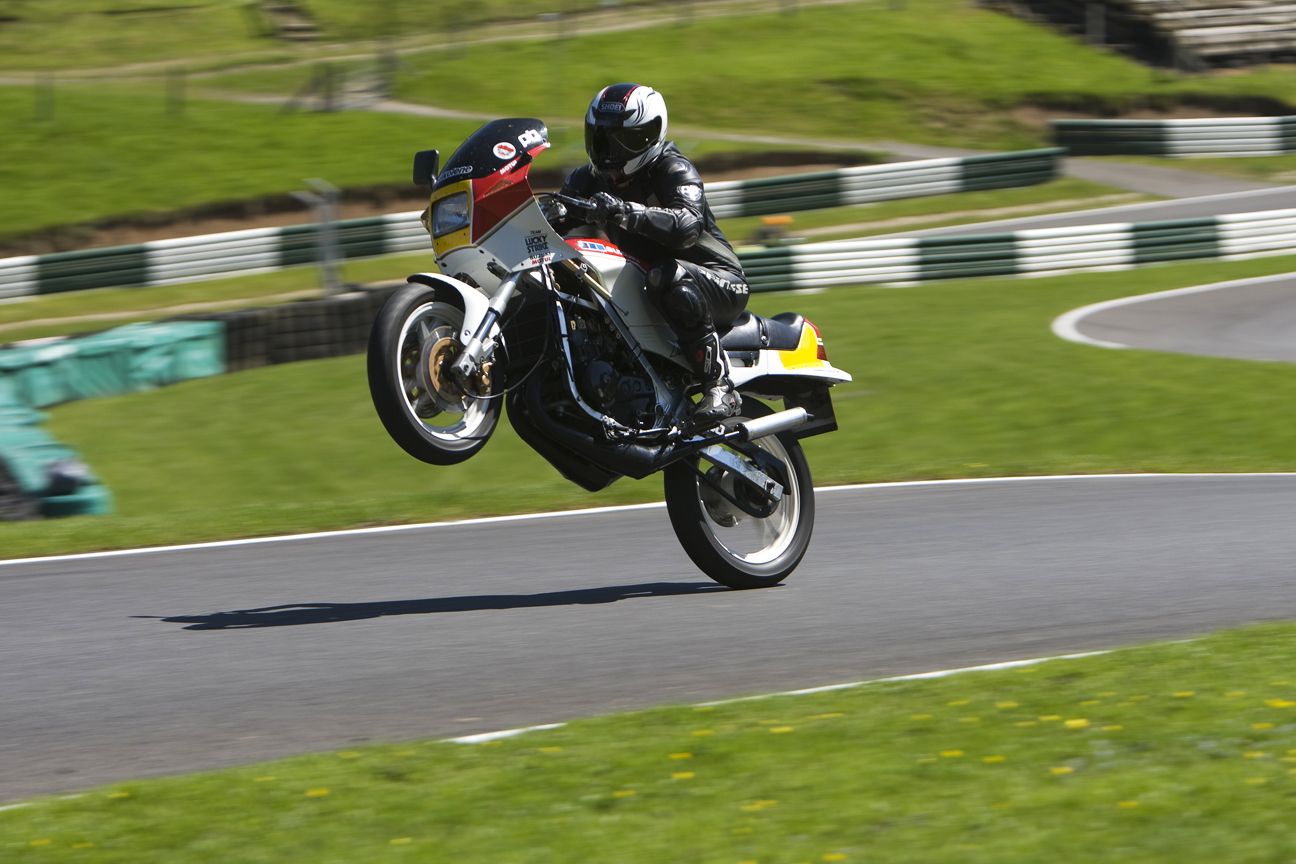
(324, 199)
(1095, 23)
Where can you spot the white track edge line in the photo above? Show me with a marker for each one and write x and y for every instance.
(613, 509)
(1066, 325)
(485, 737)
(809, 691)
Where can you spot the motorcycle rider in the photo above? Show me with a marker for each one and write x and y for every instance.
(648, 198)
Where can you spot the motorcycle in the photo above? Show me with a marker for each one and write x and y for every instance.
(560, 330)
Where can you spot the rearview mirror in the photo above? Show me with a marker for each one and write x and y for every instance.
(426, 165)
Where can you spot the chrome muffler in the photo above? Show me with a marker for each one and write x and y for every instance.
(782, 421)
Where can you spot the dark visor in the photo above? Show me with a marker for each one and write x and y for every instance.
(611, 145)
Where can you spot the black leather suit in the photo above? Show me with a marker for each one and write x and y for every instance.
(695, 277)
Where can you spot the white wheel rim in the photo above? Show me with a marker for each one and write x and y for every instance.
(753, 540)
(463, 427)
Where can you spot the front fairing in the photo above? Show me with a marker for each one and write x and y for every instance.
(498, 226)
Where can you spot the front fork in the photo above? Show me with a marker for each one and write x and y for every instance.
(480, 346)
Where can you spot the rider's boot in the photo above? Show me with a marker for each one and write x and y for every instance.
(719, 399)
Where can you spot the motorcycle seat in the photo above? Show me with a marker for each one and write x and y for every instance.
(753, 332)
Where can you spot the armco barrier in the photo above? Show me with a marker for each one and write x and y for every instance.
(1028, 252)
(868, 183)
(1228, 136)
(262, 249)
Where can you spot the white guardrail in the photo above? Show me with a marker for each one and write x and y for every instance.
(263, 249)
(1211, 136)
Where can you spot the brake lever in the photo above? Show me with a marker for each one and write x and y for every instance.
(583, 204)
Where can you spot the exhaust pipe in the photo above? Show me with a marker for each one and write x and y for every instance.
(782, 421)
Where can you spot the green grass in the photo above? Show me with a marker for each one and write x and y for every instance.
(63, 34)
(952, 379)
(939, 71)
(114, 151)
(1167, 753)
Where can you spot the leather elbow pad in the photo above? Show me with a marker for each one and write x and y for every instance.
(673, 227)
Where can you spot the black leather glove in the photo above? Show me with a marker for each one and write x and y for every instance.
(607, 209)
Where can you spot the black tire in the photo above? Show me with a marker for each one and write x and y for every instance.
(409, 412)
(704, 539)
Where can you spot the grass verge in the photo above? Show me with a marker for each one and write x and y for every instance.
(952, 379)
(1165, 753)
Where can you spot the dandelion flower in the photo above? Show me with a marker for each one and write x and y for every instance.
(831, 716)
(269, 778)
(834, 856)
(954, 703)
(952, 754)
(1050, 718)
(994, 760)
(1127, 805)
(682, 775)
(1280, 703)
(1184, 694)
(119, 795)
(1261, 727)
(678, 756)
(1090, 702)
(623, 793)
(920, 716)
(316, 793)
(42, 841)
(702, 733)
(780, 730)
(1254, 754)
(1061, 770)
(759, 805)
(1114, 727)
(1006, 704)
(1077, 723)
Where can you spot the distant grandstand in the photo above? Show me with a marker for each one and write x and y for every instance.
(1186, 34)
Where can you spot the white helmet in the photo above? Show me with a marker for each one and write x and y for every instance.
(625, 128)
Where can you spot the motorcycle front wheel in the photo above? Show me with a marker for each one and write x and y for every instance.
(729, 544)
(413, 341)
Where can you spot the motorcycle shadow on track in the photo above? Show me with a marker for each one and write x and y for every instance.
(293, 614)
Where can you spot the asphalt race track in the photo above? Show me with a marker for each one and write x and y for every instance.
(143, 664)
(1253, 319)
(135, 665)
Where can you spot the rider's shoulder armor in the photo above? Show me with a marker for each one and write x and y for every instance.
(673, 168)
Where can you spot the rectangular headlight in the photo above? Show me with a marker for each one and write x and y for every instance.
(450, 214)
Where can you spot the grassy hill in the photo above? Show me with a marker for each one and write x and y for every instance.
(932, 71)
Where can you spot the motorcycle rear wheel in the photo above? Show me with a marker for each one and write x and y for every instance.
(413, 338)
(729, 545)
